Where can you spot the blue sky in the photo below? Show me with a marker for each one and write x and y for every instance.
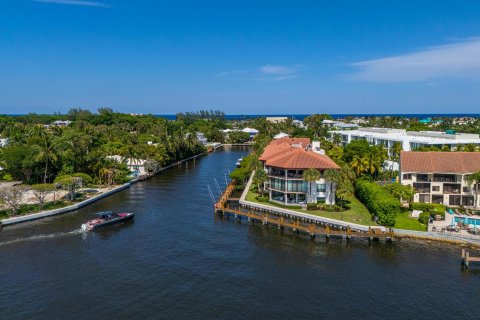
(243, 57)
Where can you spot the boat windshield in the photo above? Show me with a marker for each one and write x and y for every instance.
(107, 215)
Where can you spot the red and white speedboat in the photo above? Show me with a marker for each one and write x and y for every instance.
(105, 219)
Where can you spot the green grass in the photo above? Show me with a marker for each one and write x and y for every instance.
(405, 222)
(356, 213)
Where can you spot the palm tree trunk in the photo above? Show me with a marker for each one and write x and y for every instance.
(46, 169)
(476, 194)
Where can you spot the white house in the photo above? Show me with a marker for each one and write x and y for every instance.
(4, 142)
(201, 138)
(62, 123)
(280, 135)
(252, 132)
(136, 166)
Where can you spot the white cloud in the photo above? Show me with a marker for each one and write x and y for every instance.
(264, 73)
(76, 3)
(228, 73)
(457, 60)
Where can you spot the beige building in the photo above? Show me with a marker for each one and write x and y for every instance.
(440, 177)
(277, 119)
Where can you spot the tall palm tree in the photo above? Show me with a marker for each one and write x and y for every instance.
(47, 154)
(332, 177)
(474, 179)
(359, 164)
(337, 139)
(311, 176)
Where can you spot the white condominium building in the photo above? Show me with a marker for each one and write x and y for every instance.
(410, 140)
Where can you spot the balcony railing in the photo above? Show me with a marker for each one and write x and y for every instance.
(276, 174)
(423, 179)
(294, 176)
(449, 189)
(444, 178)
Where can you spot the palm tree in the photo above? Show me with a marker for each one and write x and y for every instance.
(47, 154)
(337, 139)
(344, 189)
(260, 178)
(474, 179)
(359, 164)
(331, 176)
(470, 147)
(311, 176)
(395, 151)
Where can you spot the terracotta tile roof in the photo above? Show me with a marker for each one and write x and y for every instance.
(282, 153)
(444, 162)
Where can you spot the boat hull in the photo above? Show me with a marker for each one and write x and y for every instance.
(112, 222)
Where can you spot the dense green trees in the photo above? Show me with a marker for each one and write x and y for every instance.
(39, 152)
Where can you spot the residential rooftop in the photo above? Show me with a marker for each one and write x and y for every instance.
(426, 137)
(295, 153)
(440, 162)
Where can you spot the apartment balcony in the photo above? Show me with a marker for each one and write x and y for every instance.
(423, 178)
(294, 176)
(452, 189)
(421, 187)
(445, 178)
(277, 174)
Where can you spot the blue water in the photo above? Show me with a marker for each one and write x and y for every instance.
(335, 116)
(340, 115)
(178, 260)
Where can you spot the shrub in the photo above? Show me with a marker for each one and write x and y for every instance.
(378, 201)
(262, 199)
(424, 217)
(7, 177)
(425, 207)
(86, 179)
(429, 207)
(312, 206)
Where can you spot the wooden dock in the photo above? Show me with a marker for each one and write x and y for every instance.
(230, 206)
(466, 258)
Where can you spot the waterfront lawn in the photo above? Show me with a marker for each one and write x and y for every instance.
(34, 208)
(405, 222)
(356, 212)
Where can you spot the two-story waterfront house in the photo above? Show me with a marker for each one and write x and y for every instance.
(440, 177)
(285, 159)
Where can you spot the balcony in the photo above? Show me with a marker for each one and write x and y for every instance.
(451, 188)
(445, 178)
(294, 176)
(276, 173)
(421, 187)
(423, 178)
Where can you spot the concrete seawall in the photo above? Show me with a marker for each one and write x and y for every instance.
(54, 212)
(49, 213)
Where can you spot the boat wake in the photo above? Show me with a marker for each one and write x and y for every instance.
(43, 236)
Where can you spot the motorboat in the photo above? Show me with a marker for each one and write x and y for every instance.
(106, 218)
(239, 162)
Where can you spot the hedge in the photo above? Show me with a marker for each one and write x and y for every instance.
(379, 201)
(424, 217)
(428, 207)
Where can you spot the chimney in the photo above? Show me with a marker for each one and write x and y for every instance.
(316, 148)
